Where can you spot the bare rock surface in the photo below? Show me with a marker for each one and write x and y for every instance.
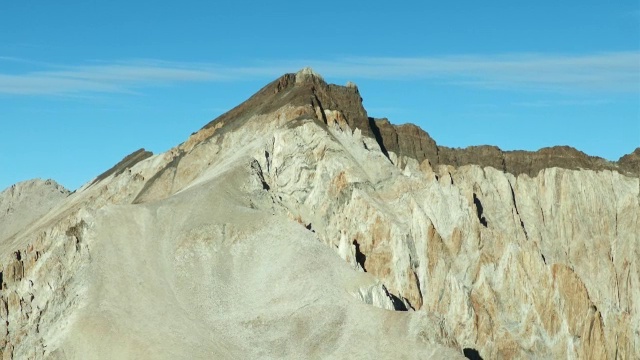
(25, 202)
(409, 140)
(294, 226)
(631, 162)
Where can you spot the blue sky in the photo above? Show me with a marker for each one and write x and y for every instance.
(82, 84)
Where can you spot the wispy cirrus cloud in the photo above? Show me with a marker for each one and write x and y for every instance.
(605, 72)
(556, 103)
(102, 77)
(618, 71)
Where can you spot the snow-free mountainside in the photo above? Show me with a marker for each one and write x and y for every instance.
(295, 226)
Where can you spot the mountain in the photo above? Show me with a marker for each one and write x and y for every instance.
(295, 226)
(23, 203)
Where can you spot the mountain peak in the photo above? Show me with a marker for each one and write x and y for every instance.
(309, 95)
(306, 74)
(307, 92)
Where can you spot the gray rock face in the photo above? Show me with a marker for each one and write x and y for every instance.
(25, 202)
(291, 226)
(126, 163)
(631, 162)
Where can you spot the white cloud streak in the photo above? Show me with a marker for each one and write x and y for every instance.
(556, 103)
(617, 72)
(602, 72)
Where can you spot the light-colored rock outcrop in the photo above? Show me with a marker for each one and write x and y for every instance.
(185, 254)
(230, 245)
(518, 266)
(25, 202)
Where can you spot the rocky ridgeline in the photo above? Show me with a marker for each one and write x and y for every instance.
(413, 142)
(234, 232)
(409, 140)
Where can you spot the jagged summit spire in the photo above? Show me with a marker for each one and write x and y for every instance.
(306, 74)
